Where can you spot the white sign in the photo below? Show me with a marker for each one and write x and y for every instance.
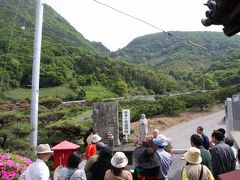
(126, 121)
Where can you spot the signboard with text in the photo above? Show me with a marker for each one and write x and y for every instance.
(126, 121)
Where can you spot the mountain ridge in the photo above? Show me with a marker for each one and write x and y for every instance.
(154, 63)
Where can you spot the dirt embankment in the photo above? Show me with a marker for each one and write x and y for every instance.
(162, 122)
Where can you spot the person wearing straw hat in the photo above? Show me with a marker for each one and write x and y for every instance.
(147, 164)
(197, 141)
(91, 148)
(117, 171)
(194, 170)
(39, 170)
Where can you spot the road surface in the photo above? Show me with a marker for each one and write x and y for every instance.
(180, 134)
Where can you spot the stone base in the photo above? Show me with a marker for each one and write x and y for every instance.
(127, 149)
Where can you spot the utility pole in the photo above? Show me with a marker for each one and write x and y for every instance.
(36, 71)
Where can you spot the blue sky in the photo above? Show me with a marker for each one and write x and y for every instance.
(99, 23)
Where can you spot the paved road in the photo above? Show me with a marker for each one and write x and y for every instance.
(180, 134)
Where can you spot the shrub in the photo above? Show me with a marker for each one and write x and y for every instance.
(199, 99)
(12, 165)
(223, 93)
(50, 102)
(78, 94)
(52, 116)
(172, 105)
(70, 97)
(137, 107)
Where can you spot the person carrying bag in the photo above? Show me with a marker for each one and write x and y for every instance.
(194, 170)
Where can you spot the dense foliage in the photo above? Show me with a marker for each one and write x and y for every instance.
(67, 57)
(167, 62)
(212, 62)
(14, 131)
(56, 122)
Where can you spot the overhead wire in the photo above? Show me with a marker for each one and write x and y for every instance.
(149, 24)
(129, 15)
(9, 42)
(22, 31)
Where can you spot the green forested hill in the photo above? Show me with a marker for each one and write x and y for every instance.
(67, 57)
(155, 63)
(213, 57)
(16, 44)
(163, 51)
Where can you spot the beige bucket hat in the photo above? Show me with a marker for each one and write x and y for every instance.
(43, 148)
(193, 156)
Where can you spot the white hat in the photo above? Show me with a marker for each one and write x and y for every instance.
(119, 160)
(96, 138)
(43, 148)
(193, 156)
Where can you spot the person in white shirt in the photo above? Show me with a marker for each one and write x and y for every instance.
(39, 170)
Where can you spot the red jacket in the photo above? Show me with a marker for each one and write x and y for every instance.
(90, 150)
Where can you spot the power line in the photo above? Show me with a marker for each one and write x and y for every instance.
(129, 15)
(196, 45)
(9, 42)
(149, 24)
(22, 28)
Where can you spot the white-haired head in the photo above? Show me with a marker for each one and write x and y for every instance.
(155, 133)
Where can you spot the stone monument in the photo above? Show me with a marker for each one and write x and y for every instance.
(143, 128)
(105, 117)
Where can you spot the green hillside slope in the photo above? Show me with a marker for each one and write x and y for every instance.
(189, 63)
(67, 57)
(161, 50)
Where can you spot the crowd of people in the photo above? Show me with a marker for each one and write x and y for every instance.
(205, 160)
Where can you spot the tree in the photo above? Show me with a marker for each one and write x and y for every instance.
(67, 129)
(120, 87)
(14, 132)
(172, 105)
(223, 93)
(200, 99)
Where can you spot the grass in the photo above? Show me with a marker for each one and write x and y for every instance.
(22, 93)
(84, 115)
(98, 92)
